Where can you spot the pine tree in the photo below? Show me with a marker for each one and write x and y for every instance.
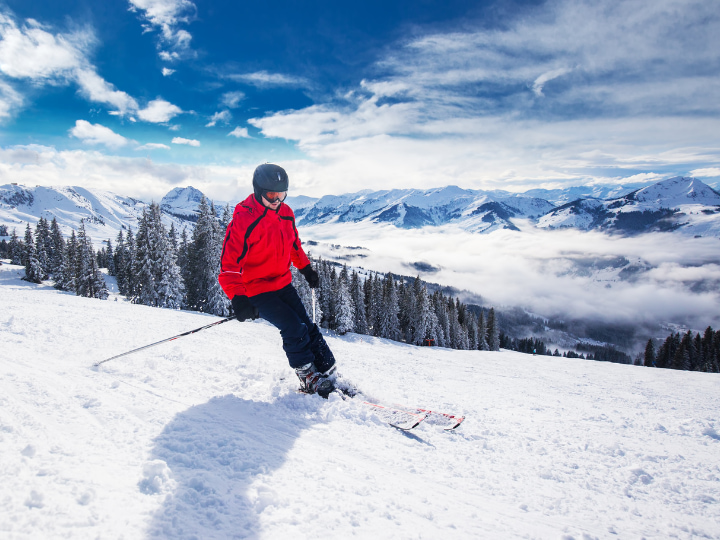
(441, 312)
(33, 270)
(358, 297)
(419, 305)
(143, 269)
(43, 247)
(57, 253)
(325, 291)
(344, 304)
(389, 323)
(89, 280)
(493, 331)
(67, 275)
(16, 249)
(482, 333)
(649, 357)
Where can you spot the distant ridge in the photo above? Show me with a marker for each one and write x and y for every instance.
(681, 204)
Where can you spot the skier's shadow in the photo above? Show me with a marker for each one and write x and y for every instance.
(214, 452)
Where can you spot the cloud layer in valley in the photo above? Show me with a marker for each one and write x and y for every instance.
(554, 273)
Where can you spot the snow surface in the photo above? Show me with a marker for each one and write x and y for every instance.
(206, 437)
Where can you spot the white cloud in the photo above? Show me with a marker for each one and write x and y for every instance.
(10, 100)
(131, 176)
(239, 133)
(223, 117)
(97, 134)
(153, 146)
(167, 16)
(189, 142)
(31, 52)
(711, 172)
(545, 77)
(159, 111)
(264, 78)
(167, 72)
(631, 95)
(232, 100)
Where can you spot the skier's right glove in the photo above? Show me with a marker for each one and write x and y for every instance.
(243, 309)
(311, 276)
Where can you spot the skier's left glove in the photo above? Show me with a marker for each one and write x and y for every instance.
(311, 276)
(243, 309)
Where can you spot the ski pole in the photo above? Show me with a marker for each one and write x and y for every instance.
(96, 364)
(313, 297)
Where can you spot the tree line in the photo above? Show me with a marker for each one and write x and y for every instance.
(45, 254)
(396, 308)
(157, 267)
(686, 352)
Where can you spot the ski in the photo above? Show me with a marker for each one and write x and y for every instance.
(397, 418)
(447, 421)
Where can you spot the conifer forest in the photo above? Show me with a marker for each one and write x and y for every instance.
(158, 267)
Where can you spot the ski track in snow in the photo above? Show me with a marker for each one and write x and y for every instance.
(206, 437)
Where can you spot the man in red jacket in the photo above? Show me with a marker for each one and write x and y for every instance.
(260, 244)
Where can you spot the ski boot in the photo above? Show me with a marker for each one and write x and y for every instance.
(313, 382)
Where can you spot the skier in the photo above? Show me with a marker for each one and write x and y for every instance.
(260, 243)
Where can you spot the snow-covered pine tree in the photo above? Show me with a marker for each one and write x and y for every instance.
(120, 263)
(482, 332)
(375, 307)
(406, 309)
(493, 331)
(325, 294)
(67, 275)
(169, 288)
(389, 323)
(345, 308)
(43, 246)
(143, 268)
(26, 244)
(420, 304)
(441, 311)
(218, 302)
(110, 254)
(183, 260)
(304, 292)
(15, 249)
(57, 253)
(358, 297)
(89, 281)
(130, 282)
(471, 325)
(33, 270)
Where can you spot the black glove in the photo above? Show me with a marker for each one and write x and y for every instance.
(311, 276)
(243, 309)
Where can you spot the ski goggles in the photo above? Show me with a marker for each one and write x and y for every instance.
(274, 196)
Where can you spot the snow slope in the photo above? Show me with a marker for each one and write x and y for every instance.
(206, 437)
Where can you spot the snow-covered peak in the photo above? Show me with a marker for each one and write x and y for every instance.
(678, 191)
(182, 201)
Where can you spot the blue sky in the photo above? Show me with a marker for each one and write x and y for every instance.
(141, 96)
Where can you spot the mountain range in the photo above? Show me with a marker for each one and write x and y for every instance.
(679, 204)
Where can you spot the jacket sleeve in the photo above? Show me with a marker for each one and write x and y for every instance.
(230, 277)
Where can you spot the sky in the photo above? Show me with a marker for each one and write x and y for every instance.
(141, 96)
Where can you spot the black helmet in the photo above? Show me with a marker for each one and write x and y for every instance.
(269, 177)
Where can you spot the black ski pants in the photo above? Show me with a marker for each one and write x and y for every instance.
(302, 341)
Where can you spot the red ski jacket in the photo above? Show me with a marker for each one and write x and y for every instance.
(259, 246)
